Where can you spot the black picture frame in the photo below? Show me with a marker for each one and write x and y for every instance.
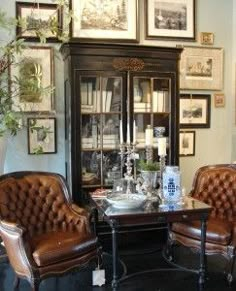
(194, 110)
(24, 9)
(170, 20)
(104, 23)
(36, 137)
(187, 140)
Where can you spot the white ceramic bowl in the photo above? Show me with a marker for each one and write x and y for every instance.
(126, 201)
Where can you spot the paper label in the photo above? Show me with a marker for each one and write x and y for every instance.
(99, 277)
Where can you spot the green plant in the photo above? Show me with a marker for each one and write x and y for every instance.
(29, 83)
(148, 165)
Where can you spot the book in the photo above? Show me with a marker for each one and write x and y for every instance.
(90, 93)
(84, 94)
(104, 96)
(108, 101)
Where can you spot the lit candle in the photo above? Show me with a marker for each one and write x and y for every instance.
(128, 134)
(134, 132)
(162, 146)
(121, 132)
(149, 136)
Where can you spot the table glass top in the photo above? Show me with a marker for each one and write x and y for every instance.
(152, 207)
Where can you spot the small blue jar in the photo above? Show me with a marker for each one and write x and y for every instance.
(171, 184)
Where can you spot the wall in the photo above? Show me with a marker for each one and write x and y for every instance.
(214, 145)
(17, 153)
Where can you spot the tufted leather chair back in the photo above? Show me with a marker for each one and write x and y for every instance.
(38, 202)
(216, 186)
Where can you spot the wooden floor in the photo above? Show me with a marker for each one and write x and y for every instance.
(136, 259)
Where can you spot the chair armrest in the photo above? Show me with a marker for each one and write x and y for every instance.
(17, 248)
(234, 235)
(80, 210)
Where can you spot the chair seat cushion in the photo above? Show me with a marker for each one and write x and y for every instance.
(54, 247)
(218, 231)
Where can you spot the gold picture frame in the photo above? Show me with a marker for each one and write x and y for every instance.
(219, 99)
(207, 38)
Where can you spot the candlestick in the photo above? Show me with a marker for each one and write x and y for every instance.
(128, 134)
(121, 132)
(134, 132)
(161, 146)
(149, 136)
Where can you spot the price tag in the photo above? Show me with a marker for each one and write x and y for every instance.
(99, 277)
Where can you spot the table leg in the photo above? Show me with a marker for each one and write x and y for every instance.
(202, 268)
(114, 255)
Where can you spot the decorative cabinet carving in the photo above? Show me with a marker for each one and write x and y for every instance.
(104, 84)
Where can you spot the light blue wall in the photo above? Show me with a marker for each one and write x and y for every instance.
(214, 145)
(17, 153)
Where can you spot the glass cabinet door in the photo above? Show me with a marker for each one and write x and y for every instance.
(151, 107)
(101, 112)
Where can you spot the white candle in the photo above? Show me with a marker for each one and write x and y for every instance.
(162, 146)
(134, 132)
(149, 136)
(128, 134)
(121, 133)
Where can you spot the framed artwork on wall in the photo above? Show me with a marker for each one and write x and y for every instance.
(170, 19)
(105, 20)
(42, 135)
(219, 99)
(207, 38)
(201, 68)
(37, 14)
(186, 143)
(34, 72)
(194, 110)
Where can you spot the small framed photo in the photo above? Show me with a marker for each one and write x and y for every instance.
(34, 72)
(42, 135)
(105, 20)
(219, 99)
(170, 19)
(186, 143)
(37, 14)
(194, 110)
(207, 38)
(201, 68)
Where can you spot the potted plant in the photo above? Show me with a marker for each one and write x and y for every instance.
(149, 171)
(12, 121)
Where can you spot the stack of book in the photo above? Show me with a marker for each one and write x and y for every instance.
(109, 141)
(142, 107)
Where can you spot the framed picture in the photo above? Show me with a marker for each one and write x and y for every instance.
(34, 74)
(37, 14)
(219, 99)
(42, 135)
(102, 20)
(186, 143)
(170, 19)
(194, 110)
(207, 38)
(201, 68)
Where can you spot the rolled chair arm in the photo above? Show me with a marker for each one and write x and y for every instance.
(17, 248)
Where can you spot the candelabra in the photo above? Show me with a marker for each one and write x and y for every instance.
(127, 151)
(149, 153)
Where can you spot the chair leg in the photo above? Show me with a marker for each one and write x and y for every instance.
(35, 285)
(169, 248)
(230, 270)
(16, 283)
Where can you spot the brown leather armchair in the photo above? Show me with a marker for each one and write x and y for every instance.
(216, 186)
(43, 232)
